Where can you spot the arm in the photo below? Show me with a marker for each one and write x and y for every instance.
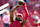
(11, 14)
(23, 24)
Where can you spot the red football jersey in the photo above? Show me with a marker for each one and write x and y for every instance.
(16, 24)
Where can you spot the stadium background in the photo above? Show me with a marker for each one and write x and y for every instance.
(33, 7)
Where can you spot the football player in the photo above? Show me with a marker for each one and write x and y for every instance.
(21, 3)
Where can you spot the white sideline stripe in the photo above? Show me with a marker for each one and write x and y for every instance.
(3, 6)
(1, 12)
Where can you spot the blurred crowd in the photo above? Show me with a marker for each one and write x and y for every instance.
(33, 7)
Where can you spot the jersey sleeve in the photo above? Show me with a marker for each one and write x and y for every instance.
(26, 11)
